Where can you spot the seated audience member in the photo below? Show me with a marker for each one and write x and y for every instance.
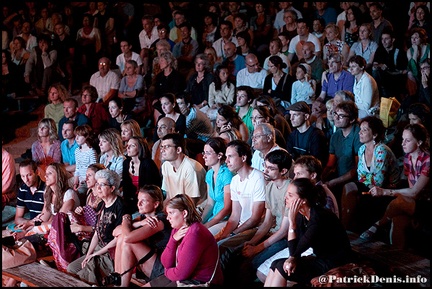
(129, 128)
(106, 81)
(111, 150)
(191, 254)
(98, 261)
(69, 145)
(275, 50)
(85, 155)
(96, 112)
(334, 44)
(365, 46)
(377, 166)
(8, 179)
(365, 89)
(325, 122)
(211, 54)
(253, 75)
(308, 223)
(168, 80)
(164, 126)
(318, 29)
(57, 94)
(127, 55)
(424, 88)
(341, 167)
(336, 79)
(180, 173)
(30, 199)
(228, 118)
(226, 36)
(280, 122)
(147, 37)
(295, 52)
(417, 53)
(269, 238)
(83, 219)
(70, 109)
(316, 63)
(218, 179)
(64, 43)
(248, 202)
(310, 167)
(262, 114)
(278, 83)
(46, 149)
(412, 203)
(185, 50)
(263, 142)
(303, 89)
(198, 125)
(117, 115)
(138, 170)
(40, 68)
(244, 105)
(221, 91)
(175, 32)
(143, 239)
(170, 109)
(389, 67)
(234, 61)
(59, 199)
(19, 56)
(305, 139)
(132, 86)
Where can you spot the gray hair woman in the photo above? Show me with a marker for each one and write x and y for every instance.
(98, 262)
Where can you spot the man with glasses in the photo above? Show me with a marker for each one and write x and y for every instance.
(337, 78)
(181, 174)
(263, 142)
(226, 32)
(305, 139)
(252, 75)
(341, 167)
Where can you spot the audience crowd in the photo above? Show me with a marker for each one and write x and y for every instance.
(190, 141)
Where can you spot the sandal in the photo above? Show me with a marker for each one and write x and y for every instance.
(370, 233)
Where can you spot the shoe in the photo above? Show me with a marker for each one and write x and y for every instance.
(369, 233)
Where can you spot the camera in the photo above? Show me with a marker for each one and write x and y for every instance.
(112, 279)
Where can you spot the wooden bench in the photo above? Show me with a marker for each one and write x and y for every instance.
(37, 275)
(388, 261)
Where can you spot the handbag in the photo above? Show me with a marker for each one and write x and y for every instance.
(389, 108)
(21, 253)
(194, 283)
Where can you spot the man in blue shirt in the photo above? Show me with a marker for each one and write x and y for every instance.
(69, 145)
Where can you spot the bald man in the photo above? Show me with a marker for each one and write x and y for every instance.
(252, 75)
(165, 125)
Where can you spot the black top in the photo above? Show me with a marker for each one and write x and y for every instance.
(323, 233)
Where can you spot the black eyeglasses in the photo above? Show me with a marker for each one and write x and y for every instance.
(339, 116)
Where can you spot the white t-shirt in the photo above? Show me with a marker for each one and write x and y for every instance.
(248, 191)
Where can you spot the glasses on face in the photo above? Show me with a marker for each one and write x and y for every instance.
(339, 116)
(102, 185)
(165, 147)
(207, 153)
(258, 135)
(256, 117)
(424, 67)
(102, 63)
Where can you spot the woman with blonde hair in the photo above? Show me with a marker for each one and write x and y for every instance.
(111, 147)
(57, 94)
(334, 43)
(46, 149)
(364, 47)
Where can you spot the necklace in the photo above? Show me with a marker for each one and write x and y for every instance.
(133, 167)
